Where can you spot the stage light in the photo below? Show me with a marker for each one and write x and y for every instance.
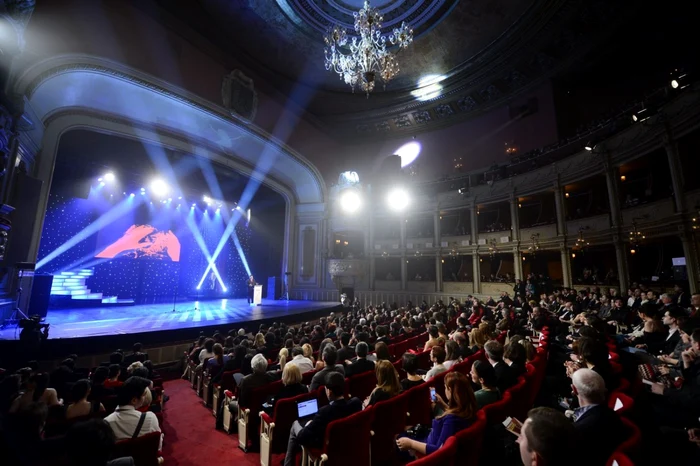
(589, 146)
(102, 183)
(350, 201)
(218, 209)
(159, 187)
(408, 153)
(429, 87)
(194, 205)
(143, 190)
(109, 177)
(179, 198)
(397, 199)
(99, 179)
(170, 199)
(206, 199)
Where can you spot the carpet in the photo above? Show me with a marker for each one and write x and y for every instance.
(190, 436)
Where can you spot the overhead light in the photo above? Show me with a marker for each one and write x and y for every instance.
(408, 153)
(109, 177)
(429, 87)
(159, 187)
(397, 199)
(589, 146)
(623, 178)
(206, 199)
(566, 195)
(350, 201)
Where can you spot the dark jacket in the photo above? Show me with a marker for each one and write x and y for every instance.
(360, 366)
(346, 352)
(669, 345)
(601, 429)
(250, 382)
(313, 434)
(319, 378)
(505, 377)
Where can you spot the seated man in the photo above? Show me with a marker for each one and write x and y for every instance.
(361, 364)
(330, 356)
(547, 437)
(313, 433)
(505, 377)
(126, 421)
(258, 378)
(596, 423)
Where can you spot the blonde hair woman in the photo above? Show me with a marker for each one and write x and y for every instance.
(259, 340)
(479, 336)
(282, 357)
(388, 384)
(308, 352)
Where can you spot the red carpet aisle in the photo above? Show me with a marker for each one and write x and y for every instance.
(190, 437)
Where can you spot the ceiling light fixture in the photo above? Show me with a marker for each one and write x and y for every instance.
(360, 61)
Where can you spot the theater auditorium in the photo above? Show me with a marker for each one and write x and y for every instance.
(349, 233)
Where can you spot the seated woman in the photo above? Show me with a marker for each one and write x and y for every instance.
(459, 413)
(433, 340)
(81, 406)
(292, 386)
(653, 332)
(217, 362)
(282, 358)
(483, 374)
(453, 354)
(36, 389)
(113, 381)
(325, 342)
(381, 351)
(479, 336)
(409, 363)
(437, 356)
(309, 352)
(530, 351)
(514, 356)
(388, 384)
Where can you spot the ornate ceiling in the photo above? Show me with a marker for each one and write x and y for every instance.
(484, 51)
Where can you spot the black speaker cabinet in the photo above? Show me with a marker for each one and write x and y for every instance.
(41, 293)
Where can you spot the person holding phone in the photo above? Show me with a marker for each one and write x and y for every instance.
(459, 413)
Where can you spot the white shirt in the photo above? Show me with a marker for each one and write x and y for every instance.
(671, 332)
(630, 301)
(303, 363)
(124, 420)
(204, 354)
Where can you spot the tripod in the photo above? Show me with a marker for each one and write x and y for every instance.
(17, 313)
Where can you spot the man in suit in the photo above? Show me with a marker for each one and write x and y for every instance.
(313, 433)
(136, 355)
(330, 356)
(682, 298)
(258, 378)
(673, 318)
(505, 377)
(600, 427)
(361, 364)
(346, 351)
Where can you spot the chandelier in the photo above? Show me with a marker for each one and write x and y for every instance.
(535, 246)
(493, 247)
(362, 60)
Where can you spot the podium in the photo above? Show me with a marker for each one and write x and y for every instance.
(257, 295)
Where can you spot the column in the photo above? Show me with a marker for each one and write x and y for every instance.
(402, 228)
(437, 233)
(565, 265)
(474, 237)
(674, 165)
(515, 237)
(611, 180)
(438, 273)
(370, 252)
(372, 271)
(404, 270)
(691, 261)
(560, 208)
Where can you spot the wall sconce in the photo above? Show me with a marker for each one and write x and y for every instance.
(633, 251)
(566, 195)
(345, 243)
(573, 255)
(337, 241)
(442, 260)
(623, 178)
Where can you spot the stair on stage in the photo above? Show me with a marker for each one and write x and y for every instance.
(69, 289)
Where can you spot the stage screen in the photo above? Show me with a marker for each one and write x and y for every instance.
(150, 251)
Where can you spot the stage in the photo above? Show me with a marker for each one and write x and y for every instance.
(158, 323)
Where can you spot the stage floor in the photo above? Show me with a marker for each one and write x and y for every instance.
(125, 320)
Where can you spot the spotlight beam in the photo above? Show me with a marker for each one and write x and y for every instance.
(103, 221)
(203, 246)
(222, 242)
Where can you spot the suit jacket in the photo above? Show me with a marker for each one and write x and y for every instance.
(314, 433)
(601, 429)
(250, 382)
(346, 352)
(670, 344)
(360, 366)
(505, 377)
(320, 376)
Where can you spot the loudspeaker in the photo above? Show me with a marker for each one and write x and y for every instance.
(350, 292)
(271, 288)
(41, 293)
(26, 203)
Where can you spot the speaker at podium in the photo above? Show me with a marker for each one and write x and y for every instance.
(257, 295)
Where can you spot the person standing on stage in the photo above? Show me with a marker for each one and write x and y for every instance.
(251, 288)
(212, 281)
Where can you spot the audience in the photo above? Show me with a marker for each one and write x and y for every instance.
(484, 375)
(409, 363)
(361, 364)
(505, 376)
(547, 438)
(126, 421)
(81, 406)
(313, 432)
(330, 355)
(388, 384)
(437, 357)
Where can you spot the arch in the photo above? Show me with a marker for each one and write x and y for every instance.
(93, 84)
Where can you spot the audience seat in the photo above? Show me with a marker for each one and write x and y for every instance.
(200, 378)
(498, 411)
(389, 421)
(361, 385)
(519, 395)
(444, 456)
(423, 360)
(307, 376)
(249, 423)
(274, 430)
(227, 383)
(621, 403)
(347, 442)
(419, 408)
(226, 421)
(619, 459)
(633, 443)
(470, 441)
(143, 449)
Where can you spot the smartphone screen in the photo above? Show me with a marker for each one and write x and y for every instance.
(432, 394)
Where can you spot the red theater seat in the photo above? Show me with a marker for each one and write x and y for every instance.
(274, 430)
(347, 442)
(470, 441)
(389, 421)
(361, 385)
(143, 449)
(443, 456)
(419, 409)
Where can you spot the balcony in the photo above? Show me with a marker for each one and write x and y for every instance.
(353, 268)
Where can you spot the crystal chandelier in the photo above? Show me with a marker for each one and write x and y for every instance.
(362, 60)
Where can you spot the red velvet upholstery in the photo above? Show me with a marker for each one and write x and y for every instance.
(283, 417)
(470, 441)
(423, 360)
(498, 411)
(419, 405)
(627, 403)
(632, 445)
(143, 449)
(361, 385)
(389, 421)
(307, 376)
(443, 456)
(347, 440)
(621, 459)
(520, 399)
(251, 411)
